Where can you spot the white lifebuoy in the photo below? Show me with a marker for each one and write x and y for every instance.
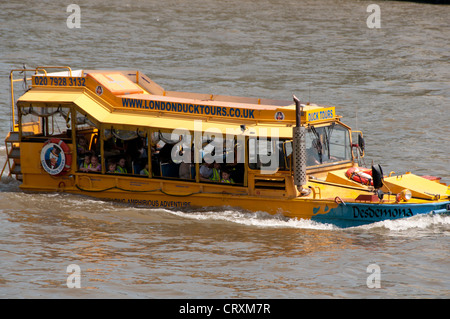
(56, 158)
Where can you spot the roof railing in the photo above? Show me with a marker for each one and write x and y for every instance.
(25, 79)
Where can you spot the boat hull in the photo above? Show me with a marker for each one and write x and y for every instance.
(350, 214)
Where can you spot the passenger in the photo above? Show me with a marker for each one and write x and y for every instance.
(205, 172)
(165, 154)
(185, 168)
(94, 166)
(142, 151)
(314, 154)
(121, 166)
(215, 176)
(112, 147)
(86, 162)
(140, 157)
(236, 170)
(311, 157)
(226, 178)
(111, 167)
(144, 171)
(82, 147)
(157, 145)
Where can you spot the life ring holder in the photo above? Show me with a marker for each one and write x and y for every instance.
(58, 150)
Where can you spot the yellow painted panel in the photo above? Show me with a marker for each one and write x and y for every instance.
(49, 95)
(318, 114)
(419, 186)
(116, 83)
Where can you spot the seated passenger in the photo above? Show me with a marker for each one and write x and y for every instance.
(186, 169)
(314, 153)
(226, 178)
(165, 154)
(144, 171)
(94, 166)
(85, 163)
(82, 147)
(141, 149)
(112, 167)
(215, 175)
(205, 172)
(121, 166)
(113, 147)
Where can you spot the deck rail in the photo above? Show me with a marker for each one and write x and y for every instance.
(25, 79)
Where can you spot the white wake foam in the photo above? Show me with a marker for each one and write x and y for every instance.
(406, 226)
(414, 223)
(258, 219)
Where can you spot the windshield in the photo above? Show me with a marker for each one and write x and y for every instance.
(327, 144)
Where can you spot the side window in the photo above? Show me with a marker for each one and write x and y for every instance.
(172, 156)
(327, 144)
(270, 154)
(126, 152)
(286, 155)
(46, 122)
(340, 144)
(88, 145)
(224, 164)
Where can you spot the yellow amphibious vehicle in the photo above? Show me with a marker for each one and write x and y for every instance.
(117, 135)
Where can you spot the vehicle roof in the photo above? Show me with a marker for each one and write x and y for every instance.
(129, 98)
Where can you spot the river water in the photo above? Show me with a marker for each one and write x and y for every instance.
(391, 82)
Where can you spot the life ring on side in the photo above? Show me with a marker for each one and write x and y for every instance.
(360, 175)
(56, 158)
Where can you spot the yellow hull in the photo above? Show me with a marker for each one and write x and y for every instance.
(332, 198)
(157, 193)
(334, 205)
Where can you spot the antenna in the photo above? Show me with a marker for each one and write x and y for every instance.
(309, 93)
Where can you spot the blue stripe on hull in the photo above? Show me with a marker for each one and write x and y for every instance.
(354, 214)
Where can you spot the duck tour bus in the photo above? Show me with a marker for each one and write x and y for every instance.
(117, 135)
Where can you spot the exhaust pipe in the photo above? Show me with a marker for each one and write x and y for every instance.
(299, 151)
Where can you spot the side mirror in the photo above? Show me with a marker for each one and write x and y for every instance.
(377, 175)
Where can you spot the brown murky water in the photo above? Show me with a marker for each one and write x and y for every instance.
(391, 82)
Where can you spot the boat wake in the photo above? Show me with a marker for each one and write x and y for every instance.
(423, 223)
(258, 219)
(418, 223)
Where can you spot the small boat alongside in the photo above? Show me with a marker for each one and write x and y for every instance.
(117, 135)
